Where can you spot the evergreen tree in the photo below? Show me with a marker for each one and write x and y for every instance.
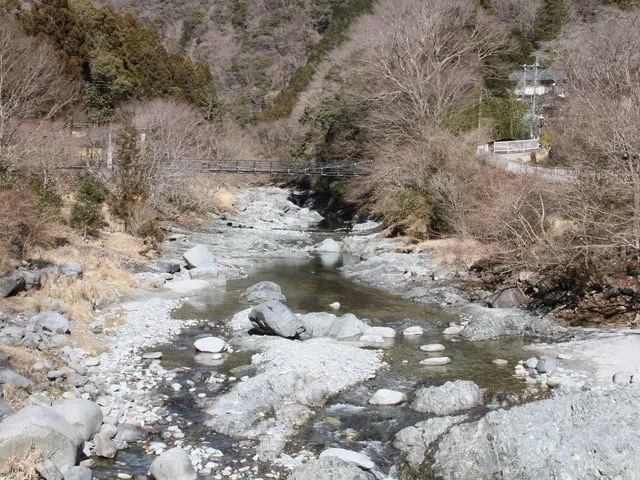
(552, 15)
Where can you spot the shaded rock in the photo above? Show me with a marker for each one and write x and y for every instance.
(262, 292)
(275, 318)
(78, 473)
(449, 398)
(167, 266)
(328, 245)
(622, 378)
(43, 429)
(199, 257)
(70, 269)
(52, 321)
(210, 345)
(330, 468)
(12, 284)
(586, 435)
(13, 379)
(85, 415)
(508, 298)
(387, 397)
(349, 456)
(174, 464)
(415, 440)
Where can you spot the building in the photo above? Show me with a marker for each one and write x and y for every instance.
(541, 81)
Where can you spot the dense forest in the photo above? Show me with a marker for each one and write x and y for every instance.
(409, 86)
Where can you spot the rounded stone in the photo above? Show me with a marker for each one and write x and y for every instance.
(410, 331)
(453, 330)
(433, 347)
(387, 397)
(500, 362)
(210, 345)
(435, 361)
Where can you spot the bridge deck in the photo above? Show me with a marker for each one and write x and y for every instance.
(283, 168)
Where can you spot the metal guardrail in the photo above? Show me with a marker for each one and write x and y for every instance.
(516, 146)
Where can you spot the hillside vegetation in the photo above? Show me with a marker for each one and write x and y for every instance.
(409, 86)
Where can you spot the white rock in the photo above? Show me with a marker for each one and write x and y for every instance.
(417, 330)
(199, 257)
(349, 456)
(432, 347)
(370, 340)
(500, 361)
(384, 332)
(387, 397)
(453, 330)
(335, 305)
(186, 286)
(328, 245)
(152, 355)
(435, 361)
(210, 345)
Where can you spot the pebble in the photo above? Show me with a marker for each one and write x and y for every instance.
(335, 305)
(124, 476)
(152, 355)
(387, 397)
(500, 362)
(435, 361)
(432, 347)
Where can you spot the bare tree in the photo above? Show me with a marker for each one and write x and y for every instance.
(33, 86)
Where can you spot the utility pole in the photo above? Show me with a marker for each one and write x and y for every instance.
(534, 100)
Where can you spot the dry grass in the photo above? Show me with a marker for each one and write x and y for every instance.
(16, 398)
(451, 251)
(22, 467)
(21, 359)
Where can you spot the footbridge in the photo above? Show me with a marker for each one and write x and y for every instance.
(272, 167)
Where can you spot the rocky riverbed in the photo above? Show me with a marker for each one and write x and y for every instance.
(194, 375)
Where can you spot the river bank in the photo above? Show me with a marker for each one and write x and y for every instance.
(261, 406)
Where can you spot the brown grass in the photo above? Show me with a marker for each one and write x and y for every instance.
(16, 398)
(21, 359)
(22, 467)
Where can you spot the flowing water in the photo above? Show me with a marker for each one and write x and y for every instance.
(347, 421)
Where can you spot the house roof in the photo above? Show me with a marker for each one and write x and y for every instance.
(544, 75)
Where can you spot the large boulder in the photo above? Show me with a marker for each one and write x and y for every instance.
(349, 456)
(174, 464)
(449, 398)
(12, 284)
(346, 326)
(262, 292)
(414, 441)
(330, 468)
(275, 318)
(85, 415)
(78, 473)
(587, 435)
(44, 429)
(52, 321)
(13, 379)
(510, 297)
(487, 323)
(199, 257)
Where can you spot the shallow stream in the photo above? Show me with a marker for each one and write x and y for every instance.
(347, 421)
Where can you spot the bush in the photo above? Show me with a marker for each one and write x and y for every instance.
(86, 212)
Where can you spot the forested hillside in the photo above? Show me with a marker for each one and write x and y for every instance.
(409, 86)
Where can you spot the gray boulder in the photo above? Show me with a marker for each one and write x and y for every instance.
(52, 321)
(487, 323)
(330, 468)
(167, 266)
(510, 297)
(275, 318)
(346, 326)
(43, 429)
(48, 470)
(449, 398)
(546, 365)
(70, 269)
(85, 415)
(12, 284)
(13, 379)
(415, 440)
(103, 446)
(587, 435)
(174, 464)
(262, 292)
(78, 473)
(199, 257)
(129, 433)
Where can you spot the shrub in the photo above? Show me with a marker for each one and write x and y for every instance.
(86, 213)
